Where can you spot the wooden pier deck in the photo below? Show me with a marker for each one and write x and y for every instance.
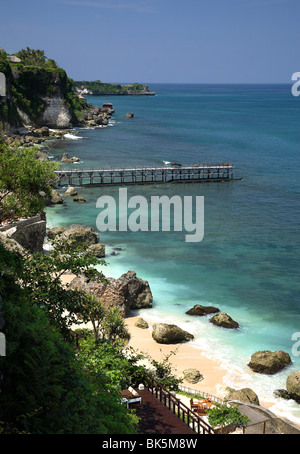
(145, 175)
(156, 418)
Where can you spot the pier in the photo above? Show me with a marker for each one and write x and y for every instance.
(146, 175)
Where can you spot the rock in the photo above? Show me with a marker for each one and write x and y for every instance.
(56, 114)
(127, 292)
(56, 198)
(164, 333)
(267, 362)
(65, 159)
(243, 395)
(139, 293)
(81, 233)
(43, 131)
(28, 233)
(70, 192)
(11, 245)
(79, 199)
(97, 249)
(202, 310)
(192, 375)
(129, 115)
(224, 320)
(141, 323)
(42, 156)
(293, 385)
(282, 393)
(56, 231)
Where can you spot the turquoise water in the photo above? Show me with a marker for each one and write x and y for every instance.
(248, 262)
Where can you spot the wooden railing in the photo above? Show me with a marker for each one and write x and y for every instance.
(201, 394)
(193, 420)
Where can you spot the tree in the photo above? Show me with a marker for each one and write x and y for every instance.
(41, 279)
(164, 371)
(45, 388)
(25, 181)
(221, 415)
(107, 323)
(32, 57)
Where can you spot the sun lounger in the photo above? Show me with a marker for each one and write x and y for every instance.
(130, 396)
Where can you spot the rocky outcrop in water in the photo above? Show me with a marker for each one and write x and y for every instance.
(81, 233)
(127, 292)
(66, 160)
(164, 333)
(267, 362)
(200, 310)
(224, 320)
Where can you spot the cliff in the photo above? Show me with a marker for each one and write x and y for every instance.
(99, 88)
(38, 93)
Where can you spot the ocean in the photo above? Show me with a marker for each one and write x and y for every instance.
(248, 261)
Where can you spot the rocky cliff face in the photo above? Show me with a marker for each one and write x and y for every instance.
(26, 233)
(128, 292)
(56, 115)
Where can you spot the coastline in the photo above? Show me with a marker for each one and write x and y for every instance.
(187, 356)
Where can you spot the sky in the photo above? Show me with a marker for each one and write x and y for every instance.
(160, 41)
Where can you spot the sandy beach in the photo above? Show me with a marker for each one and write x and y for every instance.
(186, 357)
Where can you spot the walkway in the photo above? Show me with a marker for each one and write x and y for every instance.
(156, 418)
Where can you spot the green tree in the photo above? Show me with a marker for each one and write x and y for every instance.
(221, 415)
(25, 181)
(32, 57)
(107, 322)
(41, 279)
(45, 387)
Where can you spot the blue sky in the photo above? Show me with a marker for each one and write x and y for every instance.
(179, 41)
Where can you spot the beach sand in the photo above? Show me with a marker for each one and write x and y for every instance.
(186, 357)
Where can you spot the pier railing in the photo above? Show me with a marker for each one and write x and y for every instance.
(166, 397)
(202, 394)
(145, 175)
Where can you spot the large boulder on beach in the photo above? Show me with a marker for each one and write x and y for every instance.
(164, 333)
(293, 385)
(141, 323)
(192, 375)
(127, 292)
(224, 320)
(200, 310)
(267, 362)
(246, 395)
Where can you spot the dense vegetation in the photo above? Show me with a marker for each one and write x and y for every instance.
(101, 88)
(28, 82)
(49, 383)
(25, 182)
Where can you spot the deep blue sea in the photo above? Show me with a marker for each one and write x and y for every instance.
(248, 261)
